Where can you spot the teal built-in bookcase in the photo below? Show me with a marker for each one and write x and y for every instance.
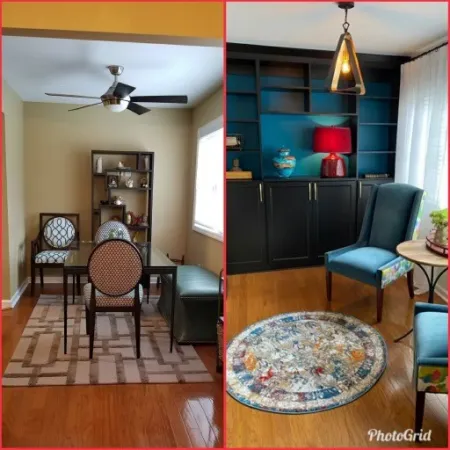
(276, 97)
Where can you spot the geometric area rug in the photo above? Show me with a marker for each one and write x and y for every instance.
(39, 359)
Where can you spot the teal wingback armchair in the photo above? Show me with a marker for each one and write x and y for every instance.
(430, 354)
(392, 216)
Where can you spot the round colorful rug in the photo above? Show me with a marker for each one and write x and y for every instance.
(304, 362)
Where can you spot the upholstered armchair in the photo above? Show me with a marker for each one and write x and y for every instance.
(392, 216)
(430, 354)
(58, 233)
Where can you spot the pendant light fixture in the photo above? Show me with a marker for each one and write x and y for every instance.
(345, 75)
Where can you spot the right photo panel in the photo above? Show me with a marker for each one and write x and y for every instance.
(336, 320)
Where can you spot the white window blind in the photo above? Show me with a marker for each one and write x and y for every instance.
(209, 180)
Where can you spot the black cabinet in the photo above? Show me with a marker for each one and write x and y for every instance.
(246, 227)
(334, 216)
(364, 191)
(289, 224)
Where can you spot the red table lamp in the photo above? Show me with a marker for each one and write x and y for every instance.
(332, 140)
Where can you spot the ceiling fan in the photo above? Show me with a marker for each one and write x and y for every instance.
(117, 97)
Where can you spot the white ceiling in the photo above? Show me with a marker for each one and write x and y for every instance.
(390, 28)
(33, 66)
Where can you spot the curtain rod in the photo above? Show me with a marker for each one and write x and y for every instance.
(429, 51)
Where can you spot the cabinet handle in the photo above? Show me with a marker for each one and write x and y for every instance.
(360, 189)
(315, 191)
(260, 193)
(309, 190)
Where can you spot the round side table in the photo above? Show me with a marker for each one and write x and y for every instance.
(418, 253)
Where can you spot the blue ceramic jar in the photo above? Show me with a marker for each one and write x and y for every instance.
(284, 163)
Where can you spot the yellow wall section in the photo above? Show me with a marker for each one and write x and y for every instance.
(190, 20)
(201, 249)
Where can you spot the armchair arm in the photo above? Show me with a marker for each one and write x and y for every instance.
(35, 247)
(420, 307)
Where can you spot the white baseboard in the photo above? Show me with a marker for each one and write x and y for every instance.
(442, 292)
(7, 304)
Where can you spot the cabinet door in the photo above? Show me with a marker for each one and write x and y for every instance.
(335, 216)
(289, 220)
(246, 227)
(364, 191)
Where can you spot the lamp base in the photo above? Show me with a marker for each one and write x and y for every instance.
(333, 166)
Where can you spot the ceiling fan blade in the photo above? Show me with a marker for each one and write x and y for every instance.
(73, 96)
(138, 109)
(160, 99)
(122, 90)
(85, 106)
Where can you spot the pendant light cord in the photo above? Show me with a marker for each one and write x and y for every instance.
(345, 25)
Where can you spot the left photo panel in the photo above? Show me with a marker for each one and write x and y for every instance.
(113, 224)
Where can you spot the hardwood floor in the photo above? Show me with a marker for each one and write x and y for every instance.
(170, 415)
(388, 406)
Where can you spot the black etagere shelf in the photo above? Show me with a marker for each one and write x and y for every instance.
(138, 165)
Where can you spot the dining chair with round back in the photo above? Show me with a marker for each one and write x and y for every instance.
(112, 229)
(115, 268)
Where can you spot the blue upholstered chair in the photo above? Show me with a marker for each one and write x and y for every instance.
(430, 354)
(392, 216)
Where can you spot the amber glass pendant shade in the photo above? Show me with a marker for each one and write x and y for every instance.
(345, 74)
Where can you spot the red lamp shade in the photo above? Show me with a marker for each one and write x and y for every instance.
(332, 140)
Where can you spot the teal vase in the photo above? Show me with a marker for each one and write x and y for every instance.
(284, 163)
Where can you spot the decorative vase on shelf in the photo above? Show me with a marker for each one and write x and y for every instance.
(99, 165)
(284, 163)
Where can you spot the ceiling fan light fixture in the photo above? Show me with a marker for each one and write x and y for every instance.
(345, 75)
(115, 104)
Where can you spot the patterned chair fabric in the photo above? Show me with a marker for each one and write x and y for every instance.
(105, 301)
(113, 229)
(51, 257)
(115, 267)
(59, 232)
(430, 354)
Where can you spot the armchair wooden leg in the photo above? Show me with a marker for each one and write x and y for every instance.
(41, 274)
(148, 289)
(158, 282)
(410, 278)
(420, 407)
(91, 333)
(380, 295)
(329, 279)
(137, 326)
(33, 279)
(79, 284)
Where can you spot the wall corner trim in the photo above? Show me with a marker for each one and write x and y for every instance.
(11, 303)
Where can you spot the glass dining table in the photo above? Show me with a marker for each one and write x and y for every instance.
(155, 262)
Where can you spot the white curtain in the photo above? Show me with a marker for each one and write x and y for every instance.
(422, 136)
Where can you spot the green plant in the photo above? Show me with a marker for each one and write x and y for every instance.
(439, 218)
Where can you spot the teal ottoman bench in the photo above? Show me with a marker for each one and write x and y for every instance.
(196, 304)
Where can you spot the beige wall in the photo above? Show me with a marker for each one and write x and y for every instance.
(13, 161)
(202, 249)
(58, 146)
(6, 282)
